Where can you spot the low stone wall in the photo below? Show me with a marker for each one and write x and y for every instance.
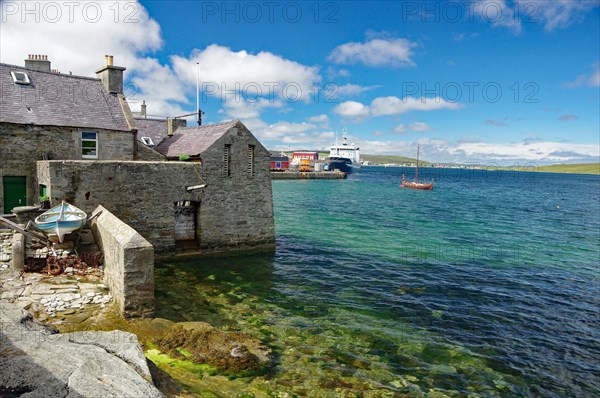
(128, 264)
(141, 194)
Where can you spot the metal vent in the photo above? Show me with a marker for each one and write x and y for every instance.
(250, 167)
(227, 160)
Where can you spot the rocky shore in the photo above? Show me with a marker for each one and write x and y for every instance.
(39, 362)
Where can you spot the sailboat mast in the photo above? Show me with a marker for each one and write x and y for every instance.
(417, 171)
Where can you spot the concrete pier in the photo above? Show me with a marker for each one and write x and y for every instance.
(308, 175)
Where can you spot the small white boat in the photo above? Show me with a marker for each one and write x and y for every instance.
(61, 220)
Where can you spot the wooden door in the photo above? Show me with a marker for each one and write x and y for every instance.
(15, 192)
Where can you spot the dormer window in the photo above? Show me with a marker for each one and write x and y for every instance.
(20, 77)
(148, 141)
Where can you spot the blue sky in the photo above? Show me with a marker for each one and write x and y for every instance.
(490, 81)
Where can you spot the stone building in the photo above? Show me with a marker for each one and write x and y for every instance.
(88, 148)
(48, 115)
(236, 209)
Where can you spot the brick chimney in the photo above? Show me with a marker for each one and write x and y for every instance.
(111, 76)
(143, 111)
(38, 62)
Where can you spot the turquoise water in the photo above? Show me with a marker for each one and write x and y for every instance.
(486, 286)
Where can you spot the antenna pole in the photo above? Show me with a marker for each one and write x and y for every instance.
(198, 93)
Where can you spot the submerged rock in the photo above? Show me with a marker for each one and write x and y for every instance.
(202, 343)
(37, 361)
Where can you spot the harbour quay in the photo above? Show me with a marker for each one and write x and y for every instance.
(308, 175)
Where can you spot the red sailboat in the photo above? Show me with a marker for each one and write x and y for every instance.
(416, 184)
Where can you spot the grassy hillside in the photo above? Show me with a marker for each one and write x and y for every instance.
(582, 168)
(383, 159)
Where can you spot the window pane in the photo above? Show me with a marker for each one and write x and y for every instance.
(88, 136)
(88, 144)
(88, 151)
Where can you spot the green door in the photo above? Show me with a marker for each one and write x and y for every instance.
(15, 192)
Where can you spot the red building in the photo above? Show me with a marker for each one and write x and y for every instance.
(298, 156)
(280, 163)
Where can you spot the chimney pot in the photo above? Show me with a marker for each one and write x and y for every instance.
(38, 62)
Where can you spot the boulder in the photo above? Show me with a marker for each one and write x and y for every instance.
(38, 362)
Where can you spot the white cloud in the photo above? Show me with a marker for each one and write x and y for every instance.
(438, 150)
(419, 127)
(553, 14)
(556, 14)
(567, 117)
(375, 52)
(349, 90)
(498, 13)
(262, 75)
(392, 105)
(586, 80)
(77, 35)
(352, 109)
(400, 129)
(148, 83)
(385, 106)
(496, 123)
(319, 119)
(536, 151)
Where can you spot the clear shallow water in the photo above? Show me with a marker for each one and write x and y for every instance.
(487, 285)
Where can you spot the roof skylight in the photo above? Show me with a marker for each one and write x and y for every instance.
(20, 77)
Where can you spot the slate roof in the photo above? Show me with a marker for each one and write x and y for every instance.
(280, 159)
(193, 141)
(156, 129)
(54, 99)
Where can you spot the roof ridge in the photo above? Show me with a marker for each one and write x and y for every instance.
(213, 124)
(50, 73)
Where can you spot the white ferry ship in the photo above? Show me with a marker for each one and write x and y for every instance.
(344, 157)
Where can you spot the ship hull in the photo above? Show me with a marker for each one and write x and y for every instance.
(344, 165)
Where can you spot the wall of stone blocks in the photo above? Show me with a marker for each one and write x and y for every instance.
(143, 152)
(142, 194)
(237, 211)
(234, 213)
(128, 264)
(21, 146)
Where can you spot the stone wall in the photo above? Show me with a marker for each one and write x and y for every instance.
(142, 194)
(236, 210)
(22, 145)
(128, 264)
(143, 152)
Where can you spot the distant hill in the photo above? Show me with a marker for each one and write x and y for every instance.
(385, 159)
(580, 168)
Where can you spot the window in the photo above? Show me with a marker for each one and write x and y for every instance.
(148, 141)
(20, 77)
(89, 145)
(227, 160)
(250, 167)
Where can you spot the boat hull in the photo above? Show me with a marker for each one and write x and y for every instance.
(61, 220)
(344, 165)
(417, 185)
